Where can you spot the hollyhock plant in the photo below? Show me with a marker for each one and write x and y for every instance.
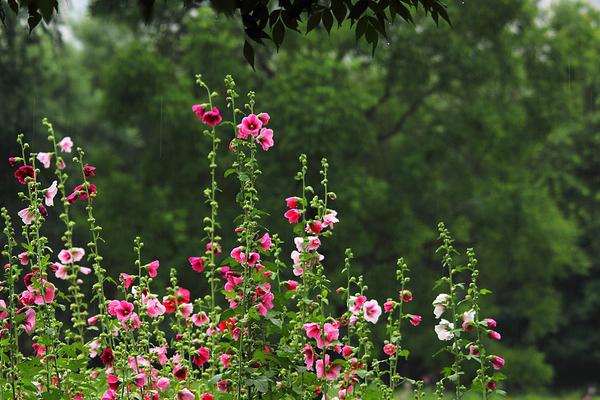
(253, 323)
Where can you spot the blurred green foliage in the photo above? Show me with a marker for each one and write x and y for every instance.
(490, 125)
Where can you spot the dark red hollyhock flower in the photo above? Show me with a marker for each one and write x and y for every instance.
(212, 118)
(72, 197)
(83, 194)
(170, 304)
(88, 170)
(180, 372)
(43, 211)
(107, 357)
(12, 161)
(23, 172)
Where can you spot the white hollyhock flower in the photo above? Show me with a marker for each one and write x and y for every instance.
(444, 330)
(469, 316)
(439, 304)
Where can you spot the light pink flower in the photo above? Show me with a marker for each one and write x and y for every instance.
(372, 311)
(85, 270)
(265, 242)
(330, 371)
(356, 304)
(313, 243)
(26, 215)
(225, 359)
(330, 334)
(163, 384)
(200, 319)
(330, 218)
(29, 322)
(61, 271)
(185, 394)
(265, 139)
(153, 268)
(45, 159)
(186, 309)
(309, 357)
(66, 144)
(23, 258)
(155, 308)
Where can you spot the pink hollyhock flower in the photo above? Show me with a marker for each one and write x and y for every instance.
(213, 117)
(352, 320)
(223, 386)
(89, 171)
(92, 320)
(292, 202)
(264, 118)
(65, 257)
(23, 258)
(85, 270)
(473, 351)
(109, 395)
(153, 268)
(330, 219)
(45, 159)
(198, 109)
(155, 308)
(389, 349)
(440, 303)
(491, 385)
(125, 279)
(313, 243)
(26, 215)
(182, 295)
(371, 311)
(406, 296)
(238, 255)
(292, 215)
(356, 304)
(215, 247)
(29, 322)
(494, 335)
(124, 310)
(77, 253)
(26, 298)
(93, 347)
(253, 258)
(265, 242)
(444, 330)
(330, 334)
(468, 320)
(225, 359)
(185, 394)
(291, 285)
(50, 193)
(415, 320)
(197, 263)
(330, 371)
(491, 323)
(24, 172)
(163, 384)
(388, 306)
(347, 351)
(12, 161)
(202, 357)
(140, 380)
(265, 139)
(186, 309)
(251, 124)
(161, 353)
(200, 319)
(66, 144)
(309, 356)
(3, 311)
(61, 271)
(313, 330)
(314, 227)
(497, 362)
(48, 297)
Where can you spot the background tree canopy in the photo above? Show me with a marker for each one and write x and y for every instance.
(261, 20)
(491, 125)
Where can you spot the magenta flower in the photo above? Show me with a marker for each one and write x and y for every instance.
(330, 371)
(494, 335)
(265, 242)
(265, 139)
(264, 118)
(45, 159)
(291, 284)
(497, 362)
(66, 144)
(250, 125)
(197, 263)
(200, 319)
(29, 322)
(124, 310)
(212, 118)
(491, 323)
(153, 268)
(388, 306)
(389, 349)
(415, 320)
(293, 215)
(163, 384)
(198, 109)
(406, 296)
(23, 258)
(292, 202)
(238, 255)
